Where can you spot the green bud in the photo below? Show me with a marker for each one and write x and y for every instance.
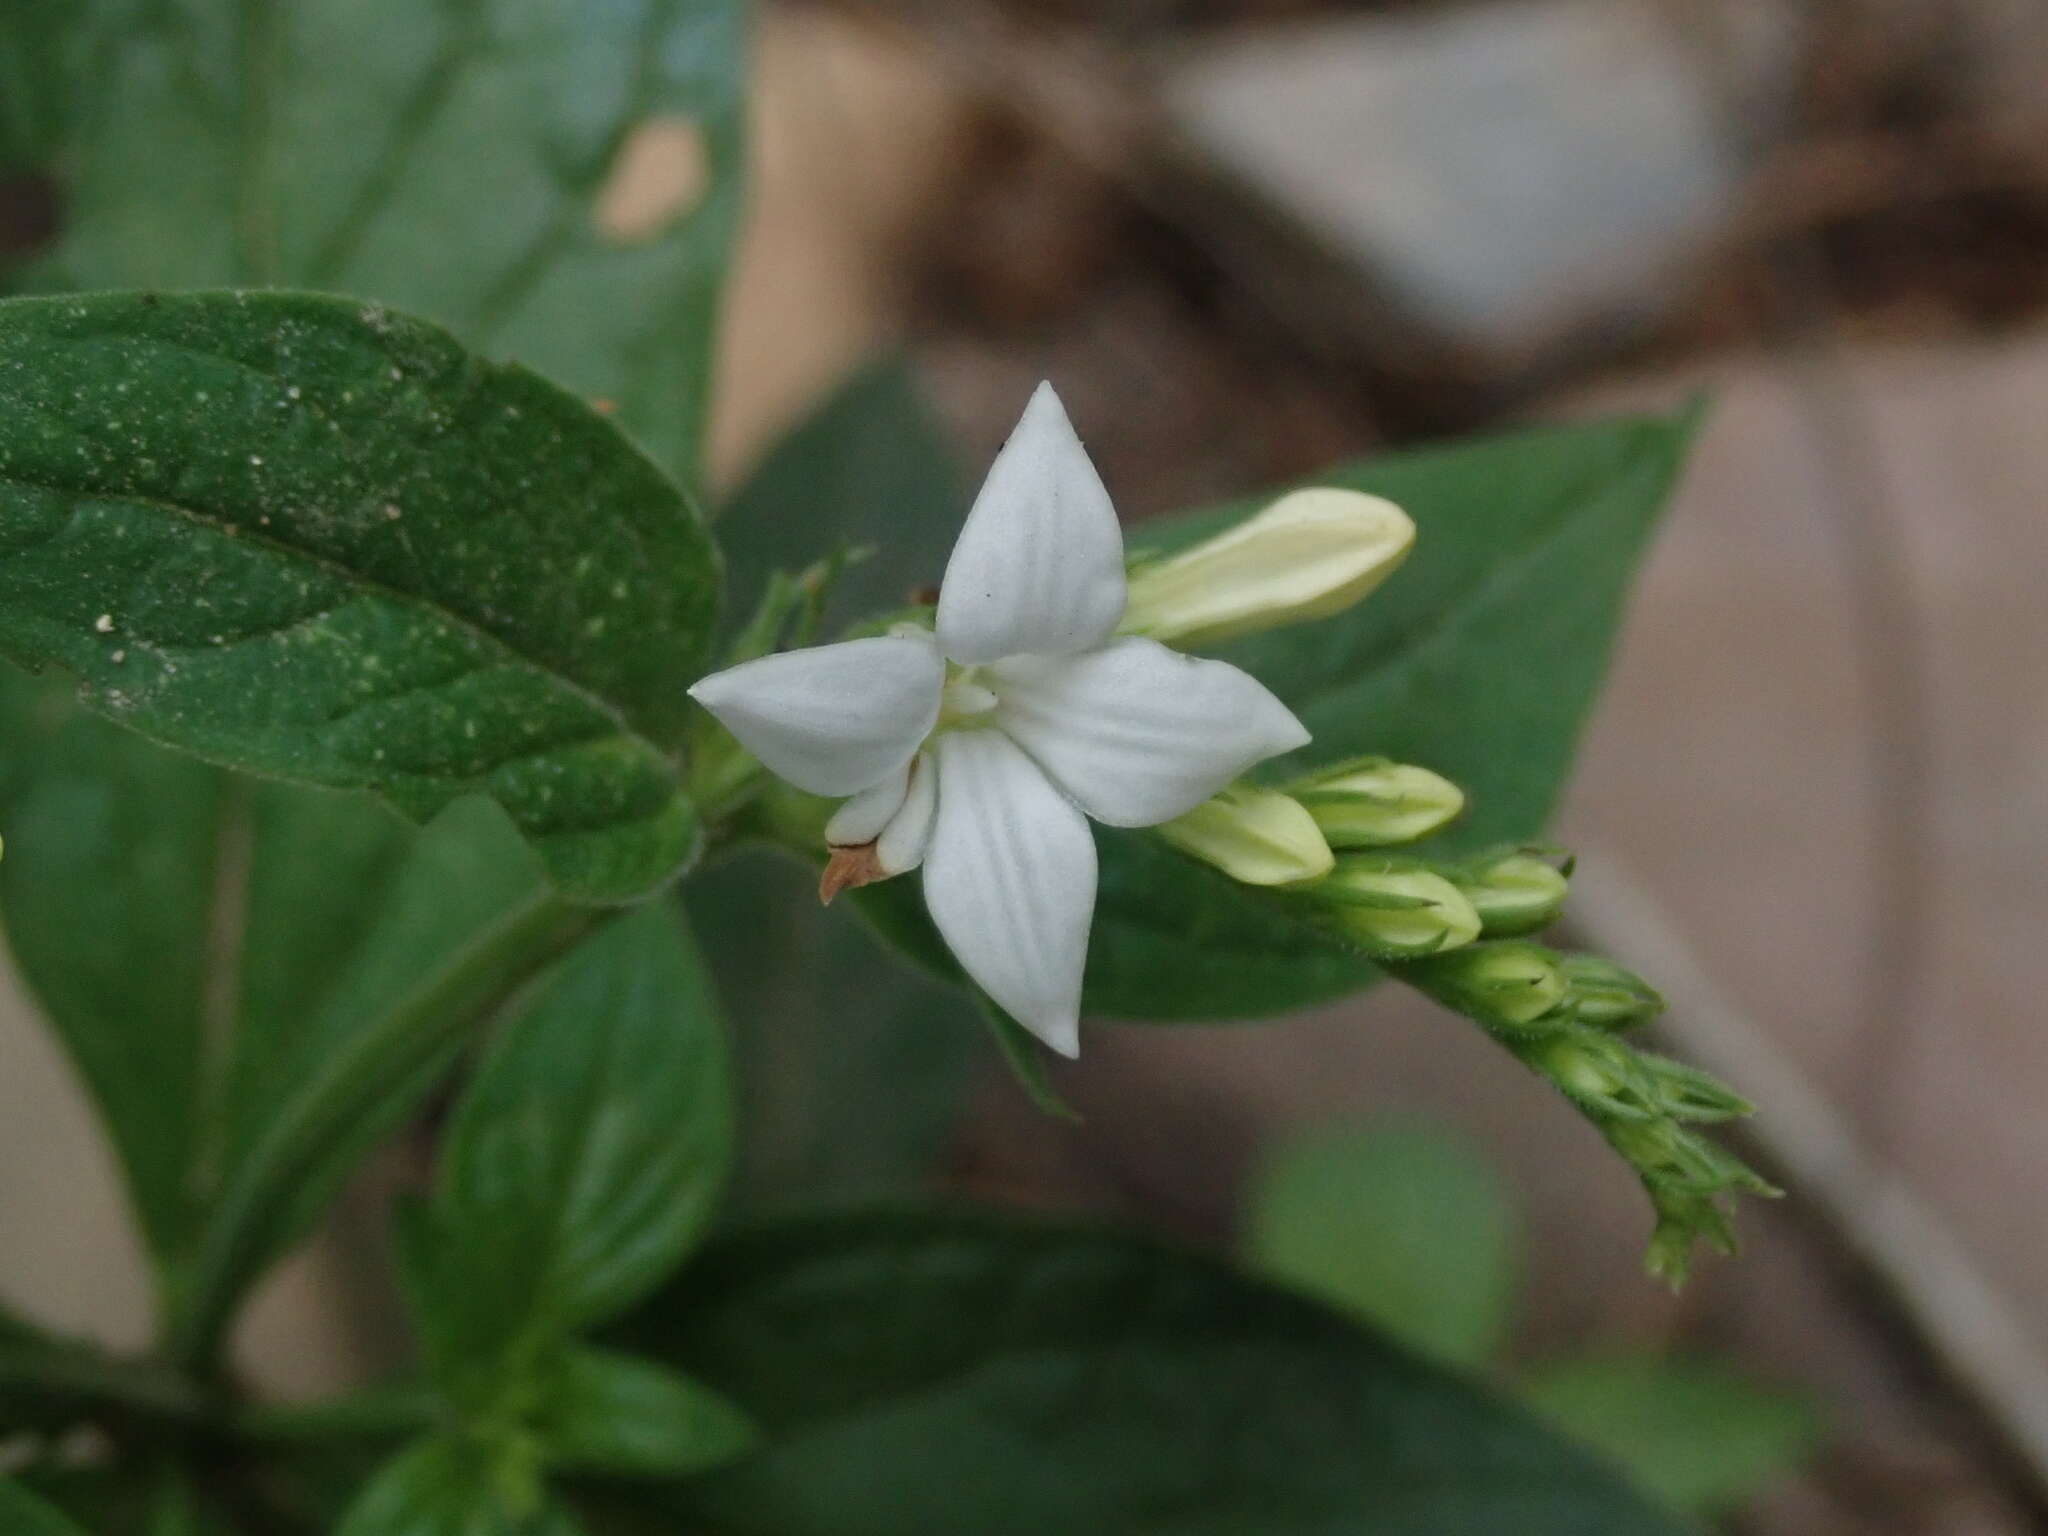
(1370, 802)
(1307, 556)
(1687, 1093)
(1257, 836)
(1396, 909)
(1513, 891)
(1595, 1068)
(1505, 983)
(1606, 996)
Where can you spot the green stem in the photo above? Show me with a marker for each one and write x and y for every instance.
(58, 1368)
(393, 1412)
(242, 1232)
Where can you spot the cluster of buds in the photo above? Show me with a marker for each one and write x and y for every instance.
(1457, 931)
(1564, 1016)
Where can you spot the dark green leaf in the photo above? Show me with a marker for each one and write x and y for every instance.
(181, 1505)
(128, 868)
(451, 1488)
(315, 540)
(850, 1065)
(614, 1414)
(23, 1514)
(1402, 1224)
(448, 159)
(460, 925)
(1479, 660)
(1695, 1434)
(305, 999)
(108, 886)
(583, 1159)
(869, 470)
(953, 1373)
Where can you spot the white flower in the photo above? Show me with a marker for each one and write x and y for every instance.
(977, 750)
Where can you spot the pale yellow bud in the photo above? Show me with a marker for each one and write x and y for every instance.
(1513, 892)
(1256, 836)
(1370, 802)
(1395, 910)
(1307, 556)
(1504, 982)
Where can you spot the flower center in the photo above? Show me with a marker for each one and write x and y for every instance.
(965, 703)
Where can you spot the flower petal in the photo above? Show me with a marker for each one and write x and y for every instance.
(901, 847)
(1039, 565)
(860, 820)
(1138, 734)
(1010, 881)
(836, 718)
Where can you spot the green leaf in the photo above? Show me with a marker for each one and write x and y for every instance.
(956, 1373)
(870, 470)
(613, 1414)
(456, 1488)
(315, 540)
(447, 159)
(1403, 1225)
(850, 1066)
(342, 930)
(23, 1514)
(108, 887)
(584, 1157)
(129, 867)
(425, 980)
(1696, 1434)
(1525, 549)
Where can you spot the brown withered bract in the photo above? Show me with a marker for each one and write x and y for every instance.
(848, 868)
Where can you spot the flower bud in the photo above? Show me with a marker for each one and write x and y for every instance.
(1394, 909)
(1257, 836)
(1687, 1093)
(1606, 996)
(1505, 982)
(1588, 1066)
(1513, 891)
(1307, 556)
(1370, 802)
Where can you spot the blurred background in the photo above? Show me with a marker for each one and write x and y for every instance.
(1250, 237)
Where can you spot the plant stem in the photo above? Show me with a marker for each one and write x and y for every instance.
(391, 1412)
(59, 1368)
(242, 1233)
